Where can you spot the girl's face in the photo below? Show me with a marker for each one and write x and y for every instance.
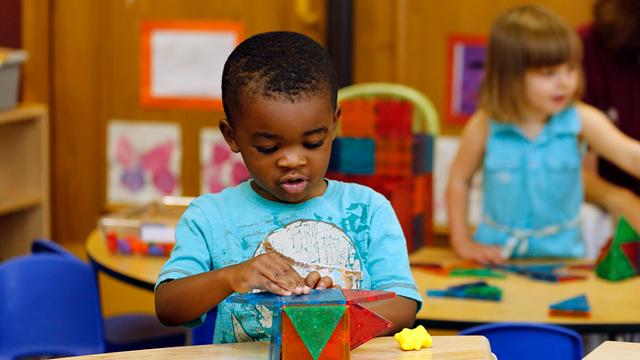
(549, 89)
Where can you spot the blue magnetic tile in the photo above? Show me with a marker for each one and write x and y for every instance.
(417, 224)
(275, 347)
(324, 296)
(464, 286)
(353, 156)
(437, 293)
(423, 154)
(578, 303)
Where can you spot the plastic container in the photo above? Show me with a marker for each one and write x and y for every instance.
(146, 230)
(10, 62)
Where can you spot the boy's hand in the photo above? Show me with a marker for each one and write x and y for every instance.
(269, 272)
(315, 281)
(484, 254)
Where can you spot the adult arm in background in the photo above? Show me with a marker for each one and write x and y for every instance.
(617, 200)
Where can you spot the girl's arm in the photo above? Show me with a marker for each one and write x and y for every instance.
(608, 141)
(465, 164)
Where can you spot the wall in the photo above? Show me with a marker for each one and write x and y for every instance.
(86, 55)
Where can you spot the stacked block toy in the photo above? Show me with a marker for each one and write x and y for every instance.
(325, 324)
(385, 141)
(574, 307)
(620, 257)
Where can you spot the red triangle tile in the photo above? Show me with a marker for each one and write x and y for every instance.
(364, 325)
(362, 296)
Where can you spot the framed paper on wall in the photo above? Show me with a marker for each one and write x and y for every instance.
(182, 62)
(143, 161)
(466, 57)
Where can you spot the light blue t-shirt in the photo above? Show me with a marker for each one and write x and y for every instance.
(532, 189)
(350, 233)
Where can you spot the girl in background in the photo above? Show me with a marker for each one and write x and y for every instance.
(527, 136)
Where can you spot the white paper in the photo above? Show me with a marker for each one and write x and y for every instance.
(219, 166)
(446, 148)
(143, 160)
(188, 64)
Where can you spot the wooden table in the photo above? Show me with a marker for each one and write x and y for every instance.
(444, 348)
(615, 306)
(615, 350)
(137, 270)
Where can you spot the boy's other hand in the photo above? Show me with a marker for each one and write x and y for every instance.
(315, 281)
(484, 254)
(270, 272)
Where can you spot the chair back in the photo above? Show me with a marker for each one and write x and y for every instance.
(48, 306)
(203, 334)
(525, 341)
(41, 245)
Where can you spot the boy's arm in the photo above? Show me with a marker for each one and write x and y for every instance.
(617, 200)
(401, 311)
(465, 164)
(609, 141)
(183, 300)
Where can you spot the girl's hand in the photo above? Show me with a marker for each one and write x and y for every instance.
(315, 281)
(484, 254)
(270, 272)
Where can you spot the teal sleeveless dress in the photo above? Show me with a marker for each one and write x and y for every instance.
(532, 189)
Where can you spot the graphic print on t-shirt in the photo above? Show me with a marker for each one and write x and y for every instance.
(312, 246)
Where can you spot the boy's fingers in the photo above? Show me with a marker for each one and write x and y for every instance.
(325, 282)
(312, 279)
(286, 276)
(272, 287)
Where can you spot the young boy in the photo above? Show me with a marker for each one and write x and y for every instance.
(288, 229)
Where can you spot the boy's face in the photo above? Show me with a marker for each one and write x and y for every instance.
(286, 146)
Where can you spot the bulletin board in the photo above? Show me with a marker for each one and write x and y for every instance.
(182, 62)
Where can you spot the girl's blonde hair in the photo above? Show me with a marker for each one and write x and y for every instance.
(523, 38)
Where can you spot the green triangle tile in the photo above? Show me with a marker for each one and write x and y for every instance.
(625, 233)
(615, 265)
(315, 324)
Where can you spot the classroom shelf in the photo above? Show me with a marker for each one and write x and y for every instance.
(24, 178)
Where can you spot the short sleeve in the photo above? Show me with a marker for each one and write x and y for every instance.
(387, 259)
(191, 254)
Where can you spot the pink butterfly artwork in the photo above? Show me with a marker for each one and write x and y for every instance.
(221, 167)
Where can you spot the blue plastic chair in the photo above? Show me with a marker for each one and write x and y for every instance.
(48, 306)
(203, 334)
(524, 341)
(125, 332)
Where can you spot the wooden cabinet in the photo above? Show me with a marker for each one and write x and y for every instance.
(24, 178)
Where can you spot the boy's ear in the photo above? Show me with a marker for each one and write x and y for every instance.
(336, 118)
(229, 135)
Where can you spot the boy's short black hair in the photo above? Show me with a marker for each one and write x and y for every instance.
(279, 65)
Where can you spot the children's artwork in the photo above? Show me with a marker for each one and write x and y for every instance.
(446, 148)
(182, 62)
(143, 161)
(219, 166)
(465, 69)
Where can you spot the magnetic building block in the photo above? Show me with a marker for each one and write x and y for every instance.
(618, 260)
(575, 307)
(324, 324)
(353, 155)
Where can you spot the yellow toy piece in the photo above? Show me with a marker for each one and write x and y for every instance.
(413, 339)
